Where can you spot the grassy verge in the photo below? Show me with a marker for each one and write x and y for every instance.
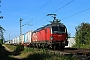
(11, 47)
(87, 46)
(40, 54)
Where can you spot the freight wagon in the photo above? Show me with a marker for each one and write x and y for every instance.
(27, 38)
(71, 42)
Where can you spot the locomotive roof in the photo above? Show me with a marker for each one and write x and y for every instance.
(48, 25)
(54, 24)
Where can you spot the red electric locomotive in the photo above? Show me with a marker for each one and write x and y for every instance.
(52, 35)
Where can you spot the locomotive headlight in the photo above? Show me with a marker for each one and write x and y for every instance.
(51, 38)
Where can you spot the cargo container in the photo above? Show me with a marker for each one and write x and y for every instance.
(27, 38)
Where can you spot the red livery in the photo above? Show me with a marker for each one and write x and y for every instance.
(52, 35)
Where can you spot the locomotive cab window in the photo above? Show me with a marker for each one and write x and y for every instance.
(58, 29)
(62, 29)
(55, 29)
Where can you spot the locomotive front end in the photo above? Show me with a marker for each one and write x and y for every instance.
(59, 35)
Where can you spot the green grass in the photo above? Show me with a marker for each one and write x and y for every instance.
(87, 46)
(40, 54)
(11, 47)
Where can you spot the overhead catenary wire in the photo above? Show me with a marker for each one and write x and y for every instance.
(27, 22)
(40, 20)
(57, 5)
(63, 6)
(75, 14)
(55, 11)
(77, 7)
(67, 16)
(41, 7)
(58, 10)
(37, 11)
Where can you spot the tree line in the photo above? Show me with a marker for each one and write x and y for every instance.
(82, 35)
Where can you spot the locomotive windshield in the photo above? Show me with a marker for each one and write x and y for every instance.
(62, 29)
(58, 29)
(54, 29)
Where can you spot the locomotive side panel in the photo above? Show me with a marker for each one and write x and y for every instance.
(42, 35)
(34, 37)
(38, 35)
(48, 34)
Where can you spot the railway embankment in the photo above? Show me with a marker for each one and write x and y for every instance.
(79, 53)
(39, 54)
(7, 52)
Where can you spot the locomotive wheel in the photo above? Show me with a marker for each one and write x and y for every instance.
(57, 47)
(38, 45)
(49, 46)
(62, 47)
(53, 47)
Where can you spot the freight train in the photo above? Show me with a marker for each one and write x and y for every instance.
(53, 35)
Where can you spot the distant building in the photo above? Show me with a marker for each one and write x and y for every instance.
(71, 42)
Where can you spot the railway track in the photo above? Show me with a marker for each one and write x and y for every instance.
(76, 51)
(79, 53)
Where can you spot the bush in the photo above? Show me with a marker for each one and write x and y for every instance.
(19, 48)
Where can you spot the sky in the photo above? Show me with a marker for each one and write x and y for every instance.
(33, 12)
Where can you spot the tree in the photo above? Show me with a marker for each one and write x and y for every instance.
(1, 41)
(82, 35)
